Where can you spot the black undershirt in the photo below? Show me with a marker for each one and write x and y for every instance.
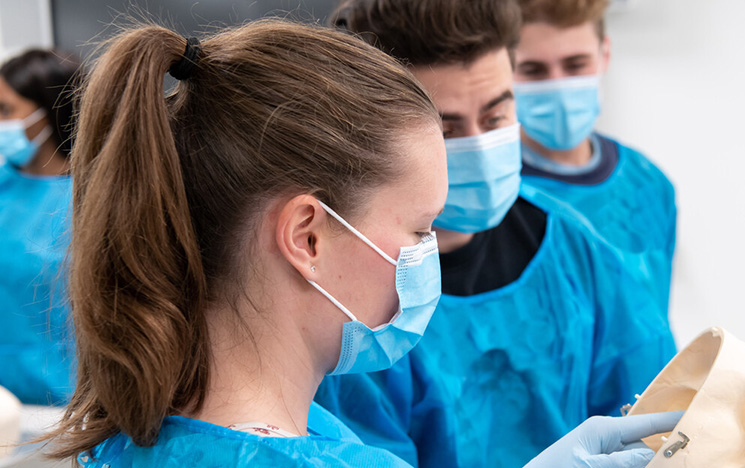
(497, 257)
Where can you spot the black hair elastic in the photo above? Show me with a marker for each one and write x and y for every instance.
(182, 69)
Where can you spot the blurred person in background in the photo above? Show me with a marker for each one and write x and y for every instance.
(561, 58)
(36, 124)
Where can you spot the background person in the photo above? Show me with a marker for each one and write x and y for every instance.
(36, 120)
(561, 58)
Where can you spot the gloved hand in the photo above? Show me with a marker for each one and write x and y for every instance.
(606, 442)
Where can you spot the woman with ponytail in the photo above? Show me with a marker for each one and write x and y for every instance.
(265, 224)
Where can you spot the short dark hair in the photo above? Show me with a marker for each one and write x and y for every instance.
(47, 78)
(429, 32)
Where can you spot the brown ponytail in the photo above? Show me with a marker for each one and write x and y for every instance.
(136, 273)
(166, 192)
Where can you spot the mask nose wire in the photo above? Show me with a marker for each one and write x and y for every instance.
(358, 234)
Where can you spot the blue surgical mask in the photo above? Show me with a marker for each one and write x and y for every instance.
(15, 146)
(483, 178)
(418, 285)
(559, 114)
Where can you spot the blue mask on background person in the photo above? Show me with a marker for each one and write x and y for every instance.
(483, 180)
(418, 284)
(15, 146)
(559, 114)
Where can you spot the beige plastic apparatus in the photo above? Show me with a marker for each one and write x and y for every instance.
(10, 422)
(707, 380)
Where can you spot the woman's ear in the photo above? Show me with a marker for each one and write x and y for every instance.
(301, 222)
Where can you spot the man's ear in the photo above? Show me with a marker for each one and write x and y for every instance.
(605, 54)
(300, 224)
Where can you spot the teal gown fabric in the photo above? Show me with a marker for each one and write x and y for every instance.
(577, 334)
(36, 349)
(633, 209)
(184, 443)
(401, 409)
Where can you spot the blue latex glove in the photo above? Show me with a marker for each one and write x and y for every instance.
(605, 442)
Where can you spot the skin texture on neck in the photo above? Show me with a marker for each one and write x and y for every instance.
(269, 377)
(267, 358)
(47, 161)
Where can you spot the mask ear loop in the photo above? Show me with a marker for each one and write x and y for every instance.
(43, 135)
(333, 300)
(34, 117)
(358, 233)
(363, 239)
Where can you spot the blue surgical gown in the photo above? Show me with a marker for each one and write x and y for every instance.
(36, 349)
(185, 442)
(633, 209)
(520, 366)
(401, 409)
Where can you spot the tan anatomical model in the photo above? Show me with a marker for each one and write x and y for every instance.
(707, 380)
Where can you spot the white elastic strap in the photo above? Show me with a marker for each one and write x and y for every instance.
(42, 136)
(333, 300)
(34, 117)
(358, 234)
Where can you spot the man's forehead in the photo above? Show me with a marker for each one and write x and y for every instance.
(489, 76)
(542, 41)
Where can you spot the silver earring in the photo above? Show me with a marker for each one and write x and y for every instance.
(312, 268)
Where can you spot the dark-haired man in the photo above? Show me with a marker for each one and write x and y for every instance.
(541, 324)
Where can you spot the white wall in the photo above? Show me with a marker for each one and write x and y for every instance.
(24, 24)
(676, 90)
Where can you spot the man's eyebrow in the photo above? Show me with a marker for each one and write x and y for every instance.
(571, 58)
(505, 96)
(531, 63)
(450, 117)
